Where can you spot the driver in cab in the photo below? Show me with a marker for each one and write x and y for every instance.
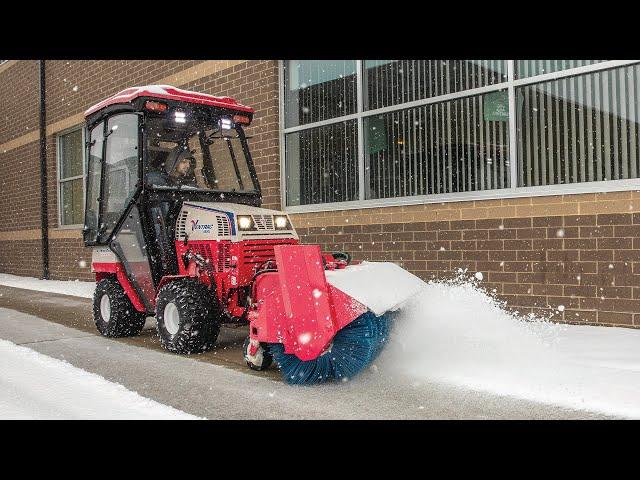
(179, 169)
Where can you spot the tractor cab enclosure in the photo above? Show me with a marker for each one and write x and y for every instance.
(149, 150)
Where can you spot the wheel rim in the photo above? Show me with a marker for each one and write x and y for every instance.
(105, 308)
(171, 318)
(258, 359)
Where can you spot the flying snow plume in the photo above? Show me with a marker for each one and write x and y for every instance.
(454, 333)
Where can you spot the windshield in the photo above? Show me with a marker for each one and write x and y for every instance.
(189, 150)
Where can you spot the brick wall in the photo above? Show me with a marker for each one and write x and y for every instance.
(19, 100)
(75, 85)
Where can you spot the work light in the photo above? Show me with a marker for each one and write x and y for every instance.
(245, 222)
(281, 222)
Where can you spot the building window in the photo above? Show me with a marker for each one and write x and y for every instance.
(71, 172)
(398, 131)
(391, 82)
(319, 90)
(446, 147)
(325, 168)
(580, 129)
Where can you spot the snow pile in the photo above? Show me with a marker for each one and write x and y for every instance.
(381, 286)
(34, 386)
(75, 288)
(454, 333)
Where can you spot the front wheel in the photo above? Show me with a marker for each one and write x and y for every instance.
(188, 320)
(113, 312)
(260, 360)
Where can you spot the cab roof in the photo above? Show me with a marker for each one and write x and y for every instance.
(168, 92)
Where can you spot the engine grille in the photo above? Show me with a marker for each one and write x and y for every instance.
(223, 226)
(256, 252)
(221, 261)
(181, 226)
(263, 222)
(224, 257)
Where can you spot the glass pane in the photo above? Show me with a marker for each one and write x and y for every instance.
(94, 168)
(322, 164)
(71, 154)
(176, 159)
(130, 246)
(317, 90)
(72, 202)
(456, 146)
(390, 82)
(121, 170)
(529, 68)
(580, 129)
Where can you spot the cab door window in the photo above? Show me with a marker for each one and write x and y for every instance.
(120, 170)
(94, 171)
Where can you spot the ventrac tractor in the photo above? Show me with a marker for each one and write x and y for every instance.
(173, 215)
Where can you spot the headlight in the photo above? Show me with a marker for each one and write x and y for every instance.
(282, 222)
(245, 222)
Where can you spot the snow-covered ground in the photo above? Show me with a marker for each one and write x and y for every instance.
(35, 386)
(454, 333)
(75, 288)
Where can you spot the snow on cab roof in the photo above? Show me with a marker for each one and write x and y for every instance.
(168, 92)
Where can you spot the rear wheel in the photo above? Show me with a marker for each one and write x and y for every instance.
(113, 312)
(188, 318)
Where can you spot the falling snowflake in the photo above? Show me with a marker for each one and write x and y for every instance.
(304, 338)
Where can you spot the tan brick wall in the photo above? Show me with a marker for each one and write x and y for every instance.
(20, 188)
(98, 79)
(23, 257)
(19, 101)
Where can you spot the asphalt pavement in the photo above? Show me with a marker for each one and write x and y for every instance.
(218, 385)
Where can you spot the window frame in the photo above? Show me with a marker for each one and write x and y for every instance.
(60, 180)
(514, 191)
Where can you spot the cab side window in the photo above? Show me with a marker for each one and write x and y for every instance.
(121, 170)
(94, 171)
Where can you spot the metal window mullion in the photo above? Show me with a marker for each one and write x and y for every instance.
(633, 134)
(68, 179)
(281, 136)
(360, 129)
(58, 183)
(321, 123)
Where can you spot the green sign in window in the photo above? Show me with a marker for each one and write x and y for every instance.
(496, 106)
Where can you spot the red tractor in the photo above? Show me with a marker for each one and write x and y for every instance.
(173, 213)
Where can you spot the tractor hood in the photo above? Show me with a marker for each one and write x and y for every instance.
(231, 221)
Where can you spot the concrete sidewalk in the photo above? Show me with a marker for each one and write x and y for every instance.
(218, 385)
